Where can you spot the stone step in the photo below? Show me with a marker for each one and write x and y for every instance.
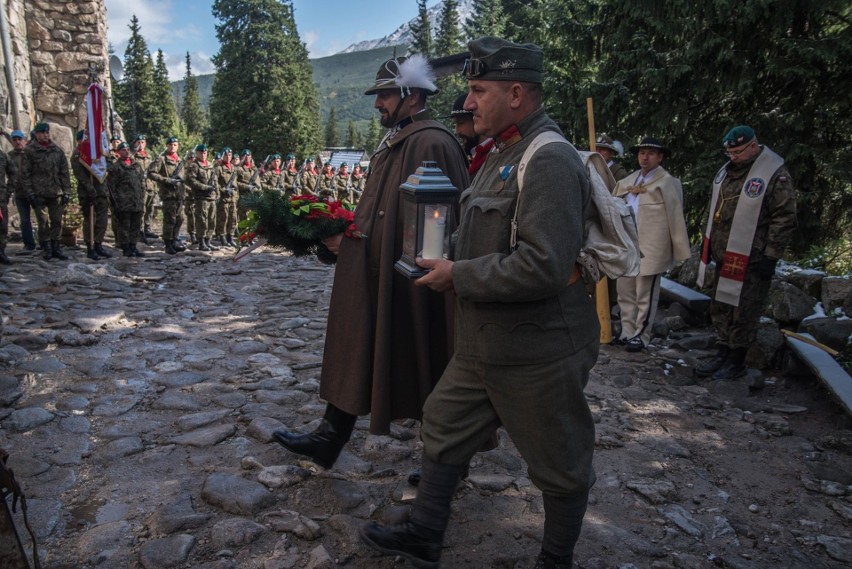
(676, 292)
(826, 369)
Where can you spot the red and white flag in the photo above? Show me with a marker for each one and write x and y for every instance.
(95, 147)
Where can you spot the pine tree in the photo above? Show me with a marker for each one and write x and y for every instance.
(164, 120)
(263, 93)
(374, 134)
(448, 42)
(353, 136)
(191, 113)
(421, 31)
(134, 95)
(331, 137)
(488, 19)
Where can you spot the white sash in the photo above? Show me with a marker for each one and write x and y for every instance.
(737, 250)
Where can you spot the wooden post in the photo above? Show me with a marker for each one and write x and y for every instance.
(601, 289)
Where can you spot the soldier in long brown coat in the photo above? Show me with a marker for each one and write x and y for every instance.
(387, 340)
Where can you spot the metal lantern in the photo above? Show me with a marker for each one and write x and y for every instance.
(428, 218)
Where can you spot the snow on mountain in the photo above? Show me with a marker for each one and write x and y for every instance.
(402, 35)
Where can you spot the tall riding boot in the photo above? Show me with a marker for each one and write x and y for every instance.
(420, 538)
(91, 253)
(210, 244)
(734, 367)
(712, 366)
(136, 252)
(563, 519)
(178, 245)
(323, 444)
(47, 251)
(99, 247)
(57, 251)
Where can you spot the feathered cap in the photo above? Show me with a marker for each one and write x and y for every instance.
(405, 74)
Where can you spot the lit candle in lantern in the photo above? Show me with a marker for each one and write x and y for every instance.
(434, 225)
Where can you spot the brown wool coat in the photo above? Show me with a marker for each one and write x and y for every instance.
(388, 341)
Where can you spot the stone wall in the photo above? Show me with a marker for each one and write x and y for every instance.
(53, 44)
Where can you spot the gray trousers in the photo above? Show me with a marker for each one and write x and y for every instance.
(542, 407)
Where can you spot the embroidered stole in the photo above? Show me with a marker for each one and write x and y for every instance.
(738, 248)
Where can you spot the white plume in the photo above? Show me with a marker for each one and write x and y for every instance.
(416, 73)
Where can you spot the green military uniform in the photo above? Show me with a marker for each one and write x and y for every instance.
(145, 160)
(290, 173)
(47, 183)
(248, 181)
(189, 205)
(340, 184)
(162, 172)
(226, 207)
(201, 181)
(325, 185)
(273, 180)
(309, 180)
(8, 173)
(94, 203)
(356, 185)
(16, 186)
(126, 182)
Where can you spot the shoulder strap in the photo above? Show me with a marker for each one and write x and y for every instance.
(543, 138)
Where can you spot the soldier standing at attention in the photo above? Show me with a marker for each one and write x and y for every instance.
(140, 154)
(325, 182)
(605, 146)
(127, 184)
(226, 208)
(272, 174)
(310, 178)
(201, 180)
(357, 182)
(245, 172)
(290, 172)
(16, 157)
(162, 173)
(92, 196)
(8, 173)
(752, 219)
(341, 183)
(47, 184)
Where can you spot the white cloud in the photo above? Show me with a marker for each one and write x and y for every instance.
(319, 47)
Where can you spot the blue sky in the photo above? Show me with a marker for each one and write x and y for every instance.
(178, 26)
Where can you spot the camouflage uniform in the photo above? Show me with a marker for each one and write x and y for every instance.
(172, 192)
(189, 205)
(127, 185)
(340, 185)
(325, 185)
(273, 180)
(8, 172)
(47, 183)
(144, 159)
(737, 325)
(92, 195)
(22, 203)
(201, 181)
(356, 188)
(308, 181)
(289, 183)
(226, 208)
(244, 186)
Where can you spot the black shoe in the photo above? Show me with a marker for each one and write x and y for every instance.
(231, 243)
(136, 252)
(193, 239)
(126, 251)
(618, 342)
(710, 367)
(101, 251)
(148, 233)
(635, 345)
(323, 445)
(170, 250)
(4, 260)
(92, 254)
(30, 247)
(547, 561)
(420, 546)
(47, 250)
(57, 251)
(143, 239)
(731, 370)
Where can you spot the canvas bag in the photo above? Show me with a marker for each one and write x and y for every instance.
(612, 241)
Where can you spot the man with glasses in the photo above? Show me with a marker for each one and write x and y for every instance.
(526, 331)
(752, 218)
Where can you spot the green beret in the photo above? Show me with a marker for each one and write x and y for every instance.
(495, 59)
(139, 137)
(291, 156)
(275, 157)
(115, 137)
(738, 136)
(227, 149)
(41, 127)
(122, 146)
(245, 152)
(342, 164)
(81, 134)
(201, 148)
(171, 139)
(311, 160)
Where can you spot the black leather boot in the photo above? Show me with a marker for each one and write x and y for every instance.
(148, 233)
(46, 250)
(710, 367)
(734, 367)
(323, 444)
(170, 248)
(420, 538)
(136, 252)
(547, 561)
(57, 251)
(202, 245)
(4, 260)
(210, 244)
(99, 247)
(126, 251)
(91, 253)
(231, 243)
(193, 239)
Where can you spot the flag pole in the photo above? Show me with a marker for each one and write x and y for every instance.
(601, 289)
